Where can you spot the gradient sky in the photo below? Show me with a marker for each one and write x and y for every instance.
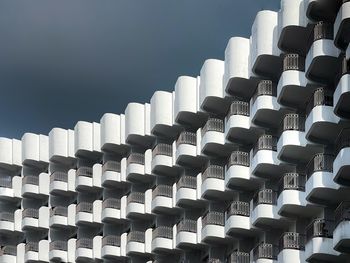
(68, 60)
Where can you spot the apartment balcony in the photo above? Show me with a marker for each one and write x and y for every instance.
(61, 146)
(59, 218)
(292, 88)
(8, 254)
(162, 160)
(162, 239)
(264, 106)
(341, 164)
(321, 125)
(112, 175)
(213, 182)
(162, 199)
(341, 25)
(111, 247)
(84, 214)
(238, 257)
(186, 235)
(341, 96)
(136, 206)
(35, 186)
(186, 191)
(112, 211)
(32, 252)
(213, 138)
(213, 227)
(292, 248)
(320, 10)
(186, 150)
(87, 141)
(238, 174)
(136, 243)
(265, 212)
(58, 251)
(7, 222)
(341, 234)
(35, 150)
(60, 185)
(136, 170)
(322, 61)
(238, 219)
(237, 128)
(319, 241)
(265, 253)
(84, 180)
(35, 219)
(84, 250)
(10, 188)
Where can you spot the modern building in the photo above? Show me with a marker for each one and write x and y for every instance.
(248, 162)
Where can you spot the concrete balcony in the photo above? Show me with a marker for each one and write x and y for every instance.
(187, 153)
(62, 217)
(88, 214)
(112, 175)
(186, 191)
(341, 164)
(35, 219)
(85, 180)
(342, 25)
(35, 150)
(35, 186)
(137, 207)
(87, 140)
(163, 160)
(84, 250)
(319, 10)
(112, 211)
(292, 248)
(7, 222)
(61, 146)
(137, 243)
(10, 188)
(237, 221)
(138, 167)
(113, 247)
(341, 234)
(265, 253)
(213, 182)
(341, 97)
(162, 199)
(62, 183)
(8, 254)
(213, 227)
(186, 236)
(58, 251)
(162, 239)
(37, 251)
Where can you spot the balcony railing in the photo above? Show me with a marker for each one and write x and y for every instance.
(136, 236)
(162, 190)
(265, 88)
(136, 197)
(342, 213)
(111, 241)
(239, 108)
(84, 207)
(84, 171)
(292, 240)
(293, 62)
(32, 246)
(264, 250)
(7, 216)
(8, 250)
(187, 225)
(112, 166)
(239, 158)
(323, 30)
(320, 228)
(186, 137)
(84, 243)
(214, 171)
(343, 140)
(292, 181)
(58, 245)
(294, 122)
(59, 211)
(163, 232)
(5, 181)
(111, 203)
(59, 176)
(213, 218)
(136, 158)
(162, 149)
(213, 124)
(265, 142)
(266, 196)
(239, 257)
(321, 97)
(187, 181)
(238, 208)
(320, 162)
(30, 212)
(30, 179)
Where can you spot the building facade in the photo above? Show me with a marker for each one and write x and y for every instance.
(248, 162)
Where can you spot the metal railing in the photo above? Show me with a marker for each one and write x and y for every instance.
(238, 208)
(343, 140)
(5, 181)
(30, 212)
(84, 243)
(292, 240)
(163, 232)
(266, 196)
(293, 62)
(187, 225)
(264, 250)
(239, 108)
(136, 236)
(239, 158)
(213, 218)
(59, 211)
(265, 142)
(58, 245)
(265, 88)
(292, 181)
(321, 96)
(186, 137)
(239, 257)
(85, 207)
(7, 216)
(213, 124)
(30, 179)
(320, 228)
(213, 171)
(8, 250)
(111, 240)
(323, 30)
(112, 166)
(136, 197)
(162, 149)
(342, 213)
(59, 176)
(32, 246)
(162, 190)
(187, 181)
(84, 171)
(294, 122)
(137, 158)
(320, 162)
(111, 203)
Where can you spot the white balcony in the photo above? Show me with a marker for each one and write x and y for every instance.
(138, 167)
(341, 164)
(10, 154)
(35, 219)
(292, 246)
(186, 233)
(88, 213)
(213, 227)
(114, 174)
(35, 150)
(7, 222)
(187, 153)
(58, 251)
(8, 254)
(341, 26)
(35, 186)
(113, 210)
(237, 221)
(84, 250)
(10, 187)
(162, 199)
(62, 183)
(213, 182)
(341, 234)
(84, 179)
(162, 239)
(139, 242)
(137, 206)
(61, 146)
(114, 247)
(62, 217)
(265, 253)
(341, 99)
(163, 162)
(186, 191)
(37, 251)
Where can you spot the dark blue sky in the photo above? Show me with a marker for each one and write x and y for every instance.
(69, 60)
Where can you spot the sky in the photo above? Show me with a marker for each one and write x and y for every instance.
(70, 60)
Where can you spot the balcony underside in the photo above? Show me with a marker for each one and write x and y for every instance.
(323, 69)
(269, 66)
(294, 39)
(241, 87)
